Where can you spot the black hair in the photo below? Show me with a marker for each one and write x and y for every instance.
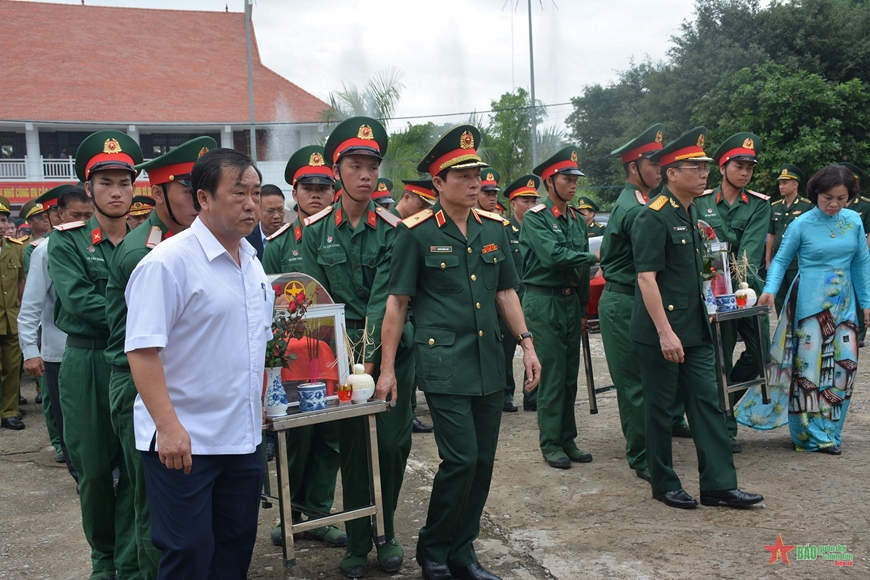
(443, 176)
(208, 169)
(827, 178)
(269, 189)
(71, 195)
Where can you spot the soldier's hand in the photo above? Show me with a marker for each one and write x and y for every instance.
(386, 385)
(583, 324)
(34, 366)
(672, 348)
(173, 448)
(533, 369)
(766, 299)
(867, 317)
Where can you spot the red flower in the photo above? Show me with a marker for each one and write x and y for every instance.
(300, 298)
(278, 289)
(291, 307)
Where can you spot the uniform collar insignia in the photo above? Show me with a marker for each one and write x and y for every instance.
(476, 217)
(372, 219)
(439, 217)
(298, 232)
(556, 211)
(743, 197)
(338, 217)
(96, 236)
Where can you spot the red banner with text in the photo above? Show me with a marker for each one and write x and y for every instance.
(20, 192)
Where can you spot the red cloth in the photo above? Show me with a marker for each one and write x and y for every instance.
(322, 368)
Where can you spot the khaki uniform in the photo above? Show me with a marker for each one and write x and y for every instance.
(11, 273)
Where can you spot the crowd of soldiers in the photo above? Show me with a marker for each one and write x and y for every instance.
(464, 288)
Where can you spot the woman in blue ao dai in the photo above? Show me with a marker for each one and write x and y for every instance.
(814, 352)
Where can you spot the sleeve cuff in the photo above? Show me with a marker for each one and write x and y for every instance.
(29, 352)
(138, 342)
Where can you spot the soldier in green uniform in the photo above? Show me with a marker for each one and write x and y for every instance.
(347, 248)
(454, 265)
(12, 284)
(588, 209)
(487, 198)
(672, 334)
(140, 210)
(556, 263)
(523, 195)
(383, 194)
(740, 217)
(78, 260)
(782, 212)
(861, 205)
(417, 196)
(173, 212)
(312, 451)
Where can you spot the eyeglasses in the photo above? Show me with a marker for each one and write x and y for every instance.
(701, 168)
(273, 211)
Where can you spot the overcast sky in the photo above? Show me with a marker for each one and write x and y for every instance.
(455, 55)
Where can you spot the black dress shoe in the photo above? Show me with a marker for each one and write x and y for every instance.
(677, 498)
(38, 399)
(473, 572)
(730, 498)
(421, 427)
(735, 446)
(642, 475)
(434, 570)
(13, 423)
(510, 407)
(833, 450)
(530, 407)
(22, 401)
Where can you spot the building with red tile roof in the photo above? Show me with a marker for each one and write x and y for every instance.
(162, 76)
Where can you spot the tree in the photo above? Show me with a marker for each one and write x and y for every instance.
(378, 100)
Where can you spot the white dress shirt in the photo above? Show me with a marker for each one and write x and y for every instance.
(210, 320)
(37, 309)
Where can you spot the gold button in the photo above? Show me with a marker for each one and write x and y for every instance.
(684, 241)
(473, 277)
(670, 306)
(477, 305)
(495, 260)
(443, 265)
(431, 341)
(480, 333)
(469, 250)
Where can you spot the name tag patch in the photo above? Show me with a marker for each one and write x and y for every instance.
(441, 249)
(681, 228)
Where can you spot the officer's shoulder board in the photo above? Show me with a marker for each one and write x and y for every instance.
(658, 203)
(37, 241)
(280, 231)
(318, 216)
(418, 218)
(70, 226)
(388, 216)
(777, 202)
(760, 196)
(538, 208)
(805, 200)
(492, 216)
(706, 192)
(867, 199)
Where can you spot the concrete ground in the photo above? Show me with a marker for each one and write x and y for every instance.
(595, 520)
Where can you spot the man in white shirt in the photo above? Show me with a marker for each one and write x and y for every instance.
(199, 316)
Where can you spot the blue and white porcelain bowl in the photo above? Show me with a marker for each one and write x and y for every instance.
(726, 302)
(312, 397)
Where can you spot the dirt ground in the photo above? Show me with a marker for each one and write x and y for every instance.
(595, 520)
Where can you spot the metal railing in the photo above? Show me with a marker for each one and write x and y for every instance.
(59, 168)
(13, 169)
(50, 169)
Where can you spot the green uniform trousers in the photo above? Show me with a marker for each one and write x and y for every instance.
(466, 432)
(10, 375)
(694, 383)
(747, 366)
(122, 395)
(48, 413)
(94, 449)
(313, 462)
(394, 445)
(554, 321)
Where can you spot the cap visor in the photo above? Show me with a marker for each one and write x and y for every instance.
(570, 171)
(315, 180)
(361, 151)
(105, 165)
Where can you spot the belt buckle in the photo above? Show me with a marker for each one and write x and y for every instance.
(566, 291)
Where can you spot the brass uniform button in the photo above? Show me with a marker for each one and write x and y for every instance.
(670, 306)
(477, 305)
(480, 333)
(443, 265)
(469, 250)
(473, 277)
(684, 241)
(495, 260)
(431, 341)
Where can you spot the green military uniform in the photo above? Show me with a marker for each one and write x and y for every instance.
(11, 273)
(666, 240)
(78, 261)
(353, 264)
(382, 195)
(861, 205)
(312, 451)
(523, 186)
(595, 228)
(175, 165)
(781, 215)
(556, 263)
(617, 298)
(744, 226)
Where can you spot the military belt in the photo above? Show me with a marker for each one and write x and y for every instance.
(120, 369)
(551, 291)
(619, 288)
(89, 343)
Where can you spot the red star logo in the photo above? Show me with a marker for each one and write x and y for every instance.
(779, 550)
